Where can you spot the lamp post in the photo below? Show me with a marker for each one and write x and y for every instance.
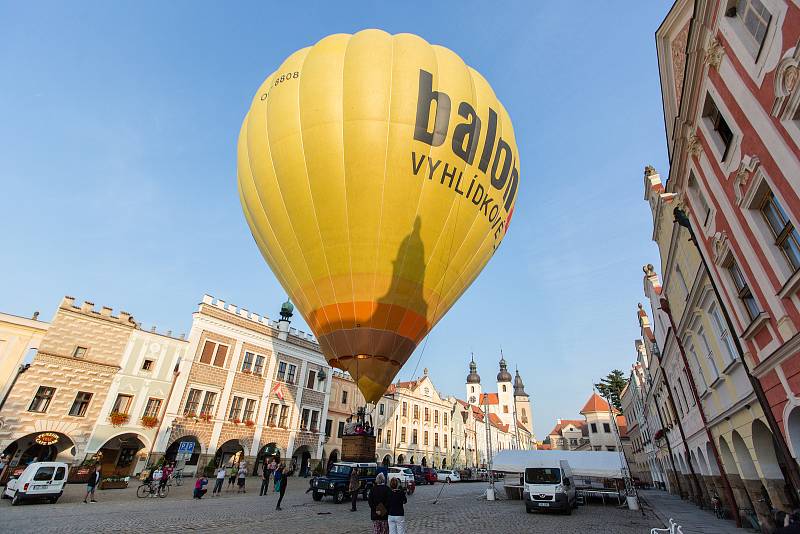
(794, 473)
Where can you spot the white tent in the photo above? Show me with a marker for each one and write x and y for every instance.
(601, 464)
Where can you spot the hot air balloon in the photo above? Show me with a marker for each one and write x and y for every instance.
(378, 175)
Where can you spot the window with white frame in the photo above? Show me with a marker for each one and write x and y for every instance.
(786, 236)
(286, 372)
(705, 348)
(236, 409)
(283, 421)
(192, 402)
(249, 410)
(696, 360)
(753, 18)
(41, 401)
(722, 332)
(743, 290)
(258, 365)
(722, 135)
(247, 362)
(209, 400)
(272, 416)
(702, 209)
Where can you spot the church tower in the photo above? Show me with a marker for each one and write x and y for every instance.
(473, 384)
(505, 395)
(523, 403)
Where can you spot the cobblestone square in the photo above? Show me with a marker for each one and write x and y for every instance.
(460, 508)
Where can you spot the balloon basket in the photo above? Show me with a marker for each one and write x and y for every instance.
(358, 448)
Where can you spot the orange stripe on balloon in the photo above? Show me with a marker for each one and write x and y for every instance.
(378, 315)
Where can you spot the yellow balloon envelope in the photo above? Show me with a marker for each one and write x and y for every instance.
(378, 174)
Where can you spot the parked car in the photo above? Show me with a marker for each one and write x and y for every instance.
(40, 480)
(337, 481)
(405, 477)
(419, 476)
(446, 475)
(430, 475)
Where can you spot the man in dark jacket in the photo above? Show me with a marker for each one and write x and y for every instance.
(91, 484)
(353, 487)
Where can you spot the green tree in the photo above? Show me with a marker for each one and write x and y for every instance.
(610, 387)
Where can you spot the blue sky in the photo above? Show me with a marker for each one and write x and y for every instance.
(118, 126)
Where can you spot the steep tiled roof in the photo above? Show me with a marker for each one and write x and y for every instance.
(489, 398)
(496, 422)
(595, 404)
(579, 423)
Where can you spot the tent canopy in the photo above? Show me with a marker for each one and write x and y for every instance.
(602, 464)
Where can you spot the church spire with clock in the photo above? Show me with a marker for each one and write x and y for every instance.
(473, 383)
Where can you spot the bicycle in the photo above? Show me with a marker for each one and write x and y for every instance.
(150, 489)
(177, 476)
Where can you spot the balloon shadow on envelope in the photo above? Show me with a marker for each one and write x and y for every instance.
(398, 323)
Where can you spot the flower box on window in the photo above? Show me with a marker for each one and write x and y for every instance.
(190, 415)
(247, 371)
(250, 423)
(236, 420)
(149, 421)
(205, 417)
(118, 418)
(659, 434)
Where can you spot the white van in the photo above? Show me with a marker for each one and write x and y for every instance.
(40, 480)
(549, 486)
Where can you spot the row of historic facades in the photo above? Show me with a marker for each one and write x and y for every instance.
(95, 386)
(92, 385)
(712, 403)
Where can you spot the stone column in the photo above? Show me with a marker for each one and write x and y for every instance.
(777, 494)
(755, 490)
(739, 492)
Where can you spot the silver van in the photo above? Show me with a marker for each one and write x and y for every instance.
(549, 486)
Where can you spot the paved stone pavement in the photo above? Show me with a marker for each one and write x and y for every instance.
(461, 508)
(692, 519)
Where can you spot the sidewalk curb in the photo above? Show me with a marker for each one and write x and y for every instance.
(664, 520)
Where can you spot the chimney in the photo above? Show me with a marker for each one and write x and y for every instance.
(68, 302)
(183, 336)
(87, 307)
(36, 316)
(153, 329)
(124, 317)
(169, 333)
(105, 311)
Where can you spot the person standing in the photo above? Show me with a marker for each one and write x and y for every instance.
(277, 476)
(166, 473)
(220, 480)
(199, 487)
(241, 477)
(283, 472)
(266, 473)
(158, 476)
(232, 472)
(379, 506)
(353, 488)
(397, 498)
(91, 484)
